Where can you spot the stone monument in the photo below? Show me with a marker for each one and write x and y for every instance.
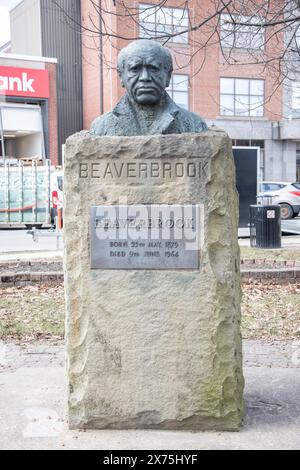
(152, 263)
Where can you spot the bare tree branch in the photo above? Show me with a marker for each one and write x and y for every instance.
(265, 33)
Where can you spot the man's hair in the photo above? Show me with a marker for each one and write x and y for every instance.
(140, 44)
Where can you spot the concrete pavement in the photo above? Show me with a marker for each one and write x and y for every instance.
(288, 241)
(31, 255)
(18, 244)
(291, 225)
(33, 405)
(18, 241)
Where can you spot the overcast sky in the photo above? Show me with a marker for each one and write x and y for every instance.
(5, 6)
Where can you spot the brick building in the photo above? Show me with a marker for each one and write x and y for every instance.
(244, 100)
(239, 99)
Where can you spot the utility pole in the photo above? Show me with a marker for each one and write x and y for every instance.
(101, 58)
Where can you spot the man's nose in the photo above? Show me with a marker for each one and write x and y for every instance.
(145, 74)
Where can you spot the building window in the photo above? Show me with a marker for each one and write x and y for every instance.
(254, 143)
(179, 90)
(157, 21)
(242, 36)
(248, 143)
(242, 97)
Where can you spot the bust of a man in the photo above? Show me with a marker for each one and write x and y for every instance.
(145, 69)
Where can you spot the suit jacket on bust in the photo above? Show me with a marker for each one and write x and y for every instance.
(125, 120)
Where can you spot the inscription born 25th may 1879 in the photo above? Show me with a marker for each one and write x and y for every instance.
(145, 236)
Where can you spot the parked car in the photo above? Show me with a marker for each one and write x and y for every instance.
(285, 194)
(57, 194)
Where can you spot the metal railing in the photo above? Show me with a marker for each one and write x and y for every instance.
(53, 232)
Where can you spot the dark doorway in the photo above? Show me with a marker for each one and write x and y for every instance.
(247, 164)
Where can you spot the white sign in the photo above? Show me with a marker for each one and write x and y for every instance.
(271, 214)
(146, 236)
(21, 84)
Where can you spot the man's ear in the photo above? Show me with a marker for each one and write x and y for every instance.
(169, 79)
(120, 77)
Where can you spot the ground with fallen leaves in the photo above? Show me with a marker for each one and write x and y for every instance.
(37, 313)
(32, 313)
(271, 311)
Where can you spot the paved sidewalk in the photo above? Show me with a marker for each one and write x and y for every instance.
(289, 242)
(33, 404)
(12, 241)
(31, 255)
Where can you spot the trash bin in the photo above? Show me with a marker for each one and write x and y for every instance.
(265, 226)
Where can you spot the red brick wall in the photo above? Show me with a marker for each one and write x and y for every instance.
(204, 66)
(112, 86)
(90, 65)
(52, 115)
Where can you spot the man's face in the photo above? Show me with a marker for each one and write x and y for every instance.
(145, 76)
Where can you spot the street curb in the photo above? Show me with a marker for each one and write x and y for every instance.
(54, 278)
(247, 264)
(27, 264)
(271, 261)
(265, 276)
(27, 279)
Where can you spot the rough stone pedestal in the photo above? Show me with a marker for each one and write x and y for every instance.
(153, 349)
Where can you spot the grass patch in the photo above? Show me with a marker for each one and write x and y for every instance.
(37, 313)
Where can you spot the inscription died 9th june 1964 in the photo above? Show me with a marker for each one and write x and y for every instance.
(155, 170)
(146, 236)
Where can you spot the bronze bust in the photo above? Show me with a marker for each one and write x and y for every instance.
(145, 69)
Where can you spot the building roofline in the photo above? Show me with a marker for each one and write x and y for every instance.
(29, 58)
(16, 6)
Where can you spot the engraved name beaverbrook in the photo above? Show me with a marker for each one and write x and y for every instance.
(143, 170)
(152, 263)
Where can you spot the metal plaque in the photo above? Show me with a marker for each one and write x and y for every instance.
(145, 236)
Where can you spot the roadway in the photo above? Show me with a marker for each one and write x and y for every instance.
(19, 240)
(291, 226)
